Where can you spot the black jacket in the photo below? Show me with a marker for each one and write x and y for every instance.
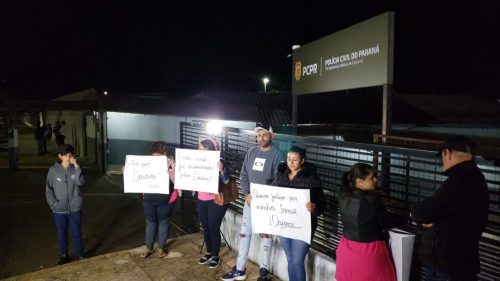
(459, 212)
(364, 216)
(305, 179)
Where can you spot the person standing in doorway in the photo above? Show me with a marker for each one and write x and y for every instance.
(40, 138)
(48, 132)
(62, 132)
(260, 166)
(63, 193)
(455, 216)
(56, 131)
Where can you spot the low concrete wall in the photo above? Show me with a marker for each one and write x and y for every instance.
(319, 267)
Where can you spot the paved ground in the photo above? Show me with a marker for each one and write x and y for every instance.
(112, 221)
(113, 230)
(180, 264)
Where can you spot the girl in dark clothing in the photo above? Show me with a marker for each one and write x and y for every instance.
(297, 173)
(363, 252)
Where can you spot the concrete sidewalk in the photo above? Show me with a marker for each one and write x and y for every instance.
(180, 264)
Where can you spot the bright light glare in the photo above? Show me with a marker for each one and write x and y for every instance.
(214, 127)
(265, 80)
(105, 93)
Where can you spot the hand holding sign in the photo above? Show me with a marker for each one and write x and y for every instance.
(280, 211)
(145, 174)
(197, 170)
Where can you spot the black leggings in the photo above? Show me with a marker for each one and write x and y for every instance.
(211, 215)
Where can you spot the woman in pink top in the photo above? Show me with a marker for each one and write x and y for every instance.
(211, 214)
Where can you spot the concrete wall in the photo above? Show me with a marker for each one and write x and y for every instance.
(133, 134)
(319, 267)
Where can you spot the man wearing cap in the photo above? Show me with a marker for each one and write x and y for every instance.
(260, 166)
(455, 216)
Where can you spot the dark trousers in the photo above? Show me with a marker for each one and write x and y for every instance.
(44, 145)
(39, 147)
(74, 222)
(60, 139)
(211, 215)
(158, 216)
(432, 274)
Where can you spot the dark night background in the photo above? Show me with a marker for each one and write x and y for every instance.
(48, 49)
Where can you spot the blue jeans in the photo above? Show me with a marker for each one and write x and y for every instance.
(295, 251)
(74, 221)
(211, 215)
(157, 220)
(245, 239)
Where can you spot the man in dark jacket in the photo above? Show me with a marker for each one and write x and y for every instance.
(63, 194)
(455, 216)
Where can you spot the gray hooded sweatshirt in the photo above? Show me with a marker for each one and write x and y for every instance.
(62, 189)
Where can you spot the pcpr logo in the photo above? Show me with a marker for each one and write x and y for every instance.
(307, 70)
(298, 70)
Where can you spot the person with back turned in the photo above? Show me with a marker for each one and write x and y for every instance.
(454, 217)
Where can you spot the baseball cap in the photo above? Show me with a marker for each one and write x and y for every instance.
(457, 143)
(263, 126)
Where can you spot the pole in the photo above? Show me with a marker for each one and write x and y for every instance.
(294, 114)
(386, 112)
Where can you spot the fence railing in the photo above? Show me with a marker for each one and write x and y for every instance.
(406, 176)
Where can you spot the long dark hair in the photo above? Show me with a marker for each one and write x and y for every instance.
(209, 144)
(358, 171)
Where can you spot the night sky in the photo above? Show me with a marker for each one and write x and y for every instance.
(48, 49)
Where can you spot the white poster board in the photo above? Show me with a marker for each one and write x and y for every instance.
(402, 250)
(145, 174)
(197, 170)
(281, 211)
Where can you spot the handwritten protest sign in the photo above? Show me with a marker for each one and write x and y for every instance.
(281, 211)
(197, 170)
(146, 174)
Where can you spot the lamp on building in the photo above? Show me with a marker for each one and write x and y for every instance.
(265, 80)
(214, 127)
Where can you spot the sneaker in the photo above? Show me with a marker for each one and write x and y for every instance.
(64, 259)
(234, 275)
(205, 259)
(263, 274)
(214, 262)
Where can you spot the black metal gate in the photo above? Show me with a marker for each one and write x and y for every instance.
(406, 175)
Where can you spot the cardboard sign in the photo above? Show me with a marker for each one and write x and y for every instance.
(197, 170)
(281, 211)
(146, 174)
(402, 250)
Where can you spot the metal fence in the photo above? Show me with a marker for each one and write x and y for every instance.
(405, 175)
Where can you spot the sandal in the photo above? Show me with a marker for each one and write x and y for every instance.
(146, 254)
(162, 254)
